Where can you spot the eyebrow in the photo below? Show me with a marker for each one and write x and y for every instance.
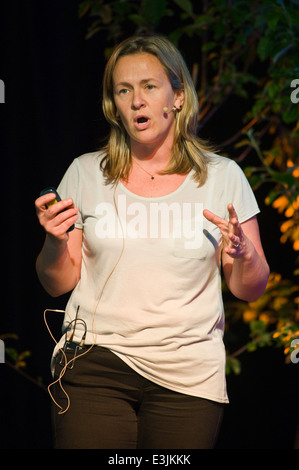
(143, 81)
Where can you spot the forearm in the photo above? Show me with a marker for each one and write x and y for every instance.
(248, 276)
(55, 268)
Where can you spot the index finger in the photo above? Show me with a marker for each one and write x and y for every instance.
(211, 217)
(44, 199)
(231, 210)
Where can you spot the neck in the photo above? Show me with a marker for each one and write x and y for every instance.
(157, 157)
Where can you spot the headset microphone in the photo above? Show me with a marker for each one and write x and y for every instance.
(167, 110)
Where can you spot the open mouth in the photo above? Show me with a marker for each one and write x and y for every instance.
(142, 122)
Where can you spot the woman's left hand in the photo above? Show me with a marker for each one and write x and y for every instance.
(234, 238)
(245, 268)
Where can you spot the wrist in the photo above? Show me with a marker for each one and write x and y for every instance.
(56, 242)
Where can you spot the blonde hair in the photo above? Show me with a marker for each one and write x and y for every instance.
(189, 151)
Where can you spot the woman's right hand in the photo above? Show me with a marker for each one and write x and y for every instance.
(57, 218)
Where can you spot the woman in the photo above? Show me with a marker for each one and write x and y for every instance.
(156, 215)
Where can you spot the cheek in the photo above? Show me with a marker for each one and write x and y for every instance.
(120, 113)
(119, 106)
(122, 118)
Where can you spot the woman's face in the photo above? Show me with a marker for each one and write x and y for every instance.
(141, 90)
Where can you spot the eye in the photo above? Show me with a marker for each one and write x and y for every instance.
(150, 87)
(123, 91)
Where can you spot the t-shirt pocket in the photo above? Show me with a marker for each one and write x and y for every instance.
(190, 240)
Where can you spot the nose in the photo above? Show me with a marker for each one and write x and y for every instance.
(137, 100)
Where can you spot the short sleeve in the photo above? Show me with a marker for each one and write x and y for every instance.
(239, 192)
(70, 187)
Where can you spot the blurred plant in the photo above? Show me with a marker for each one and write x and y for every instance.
(18, 360)
(273, 320)
(280, 166)
(118, 17)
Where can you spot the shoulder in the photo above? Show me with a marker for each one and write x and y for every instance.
(89, 164)
(84, 169)
(220, 166)
(219, 161)
(91, 158)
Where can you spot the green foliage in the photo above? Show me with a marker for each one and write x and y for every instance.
(272, 320)
(18, 358)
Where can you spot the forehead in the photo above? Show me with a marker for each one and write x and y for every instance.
(138, 66)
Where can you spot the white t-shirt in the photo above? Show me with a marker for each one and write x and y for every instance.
(150, 287)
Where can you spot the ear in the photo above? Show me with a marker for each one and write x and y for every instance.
(180, 96)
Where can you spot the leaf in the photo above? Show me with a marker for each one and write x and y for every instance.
(251, 347)
(272, 196)
(282, 52)
(185, 5)
(106, 14)
(93, 30)
(290, 115)
(233, 365)
(153, 11)
(264, 48)
(83, 8)
(9, 336)
(257, 327)
(283, 178)
(209, 46)
(12, 353)
(137, 19)
(273, 89)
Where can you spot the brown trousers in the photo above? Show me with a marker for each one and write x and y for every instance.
(113, 407)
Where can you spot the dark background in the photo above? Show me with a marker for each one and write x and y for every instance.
(52, 114)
